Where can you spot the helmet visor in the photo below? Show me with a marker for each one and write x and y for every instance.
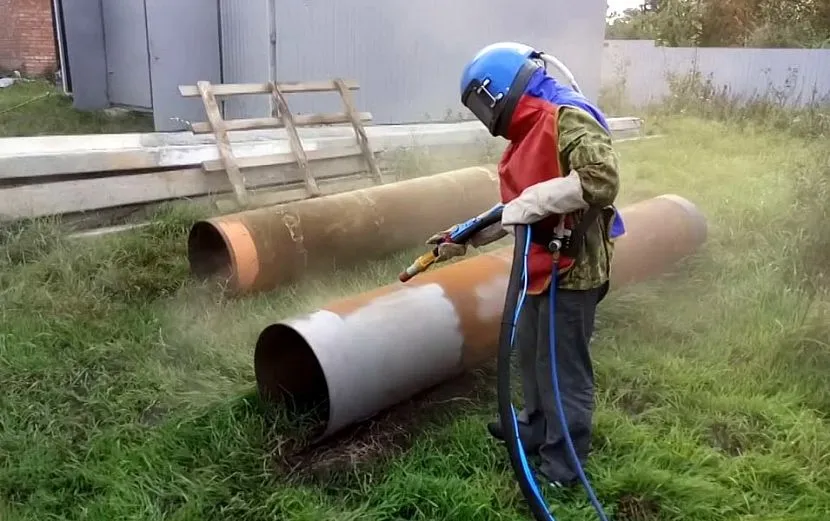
(481, 103)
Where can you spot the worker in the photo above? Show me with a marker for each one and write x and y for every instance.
(559, 162)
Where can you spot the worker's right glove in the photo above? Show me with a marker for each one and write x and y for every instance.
(446, 250)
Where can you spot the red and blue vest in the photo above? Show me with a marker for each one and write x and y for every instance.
(532, 156)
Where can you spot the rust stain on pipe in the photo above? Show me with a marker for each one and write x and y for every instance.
(362, 354)
(260, 249)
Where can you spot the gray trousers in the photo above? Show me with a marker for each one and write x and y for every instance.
(574, 320)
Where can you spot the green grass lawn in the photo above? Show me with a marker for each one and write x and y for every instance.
(128, 390)
(34, 108)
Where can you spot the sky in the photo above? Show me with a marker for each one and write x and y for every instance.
(620, 5)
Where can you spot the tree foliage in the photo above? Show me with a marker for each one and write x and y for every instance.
(726, 23)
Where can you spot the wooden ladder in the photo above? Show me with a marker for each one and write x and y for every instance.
(281, 116)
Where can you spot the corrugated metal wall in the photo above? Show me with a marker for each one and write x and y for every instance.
(640, 70)
(407, 56)
(245, 53)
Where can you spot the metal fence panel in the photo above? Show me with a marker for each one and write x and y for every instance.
(128, 60)
(184, 47)
(641, 71)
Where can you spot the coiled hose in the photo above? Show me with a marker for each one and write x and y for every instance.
(514, 301)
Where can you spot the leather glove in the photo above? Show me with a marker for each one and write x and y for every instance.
(446, 250)
(558, 196)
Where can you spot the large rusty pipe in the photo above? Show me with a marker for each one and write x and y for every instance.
(260, 249)
(360, 355)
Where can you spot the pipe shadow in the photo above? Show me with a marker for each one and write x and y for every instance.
(376, 441)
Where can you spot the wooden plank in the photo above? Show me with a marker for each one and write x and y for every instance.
(294, 140)
(302, 120)
(231, 89)
(37, 156)
(259, 198)
(360, 133)
(222, 143)
(285, 158)
(94, 194)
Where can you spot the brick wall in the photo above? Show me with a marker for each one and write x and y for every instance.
(27, 41)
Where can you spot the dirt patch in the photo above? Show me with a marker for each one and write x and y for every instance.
(740, 434)
(722, 437)
(635, 398)
(637, 508)
(389, 433)
(153, 415)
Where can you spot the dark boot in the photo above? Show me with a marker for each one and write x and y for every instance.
(543, 478)
(531, 434)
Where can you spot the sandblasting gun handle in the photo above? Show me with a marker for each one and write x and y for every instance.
(459, 234)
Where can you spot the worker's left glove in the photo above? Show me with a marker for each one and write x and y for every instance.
(446, 250)
(561, 196)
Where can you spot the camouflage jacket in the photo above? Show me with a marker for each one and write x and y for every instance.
(585, 147)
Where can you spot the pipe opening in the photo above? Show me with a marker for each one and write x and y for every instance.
(207, 252)
(288, 372)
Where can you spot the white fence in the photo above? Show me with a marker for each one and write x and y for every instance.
(636, 72)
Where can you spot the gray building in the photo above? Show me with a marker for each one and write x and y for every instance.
(407, 56)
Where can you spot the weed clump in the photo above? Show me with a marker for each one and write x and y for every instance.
(27, 241)
(42, 266)
(811, 220)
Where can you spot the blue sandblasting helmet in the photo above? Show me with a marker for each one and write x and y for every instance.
(494, 80)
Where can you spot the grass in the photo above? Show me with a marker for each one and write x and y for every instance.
(128, 388)
(36, 107)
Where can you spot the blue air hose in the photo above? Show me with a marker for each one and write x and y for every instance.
(514, 301)
(516, 294)
(558, 396)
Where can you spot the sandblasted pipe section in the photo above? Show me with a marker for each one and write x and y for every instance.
(260, 249)
(358, 356)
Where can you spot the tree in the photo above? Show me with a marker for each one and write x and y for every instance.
(726, 23)
(630, 25)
